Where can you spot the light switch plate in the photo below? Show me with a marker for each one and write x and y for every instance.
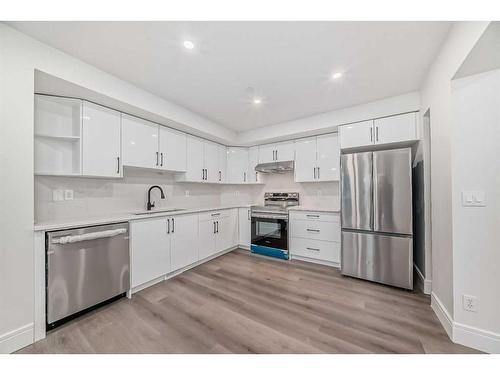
(57, 195)
(68, 195)
(473, 198)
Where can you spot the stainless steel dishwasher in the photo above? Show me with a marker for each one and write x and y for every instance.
(85, 267)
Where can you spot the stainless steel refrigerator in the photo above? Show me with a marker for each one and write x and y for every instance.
(376, 214)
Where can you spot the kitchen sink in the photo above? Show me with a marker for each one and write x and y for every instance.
(159, 211)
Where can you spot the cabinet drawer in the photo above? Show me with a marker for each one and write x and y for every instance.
(315, 216)
(213, 215)
(314, 249)
(315, 230)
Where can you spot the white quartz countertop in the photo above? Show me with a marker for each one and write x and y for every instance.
(315, 208)
(57, 224)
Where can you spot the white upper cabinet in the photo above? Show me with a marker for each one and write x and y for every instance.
(195, 170)
(383, 131)
(305, 159)
(140, 143)
(211, 161)
(253, 160)
(317, 158)
(396, 128)
(237, 165)
(58, 123)
(172, 148)
(282, 151)
(356, 135)
(328, 154)
(222, 152)
(205, 161)
(101, 141)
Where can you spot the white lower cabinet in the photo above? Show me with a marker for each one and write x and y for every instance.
(218, 232)
(244, 227)
(315, 236)
(184, 240)
(149, 250)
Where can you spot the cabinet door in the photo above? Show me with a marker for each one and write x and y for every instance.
(399, 128)
(267, 153)
(328, 151)
(184, 232)
(305, 160)
(356, 135)
(253, 160)
(172, 150)
(285, 151)
(211, 154)
(222, 176)
(244, 227)
(149, 250)
(101, 141)
(227, 231)
(206, 239)
(237, 165)
(194, 159)
(139, 142)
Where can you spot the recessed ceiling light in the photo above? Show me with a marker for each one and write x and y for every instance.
(336, 75)
(188, 44)
(257, 101)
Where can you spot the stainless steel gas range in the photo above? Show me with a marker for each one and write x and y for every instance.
(270, 225)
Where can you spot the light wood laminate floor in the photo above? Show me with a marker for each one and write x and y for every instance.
(242, 303)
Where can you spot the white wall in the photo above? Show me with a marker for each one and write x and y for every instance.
(329, 121)
(476, 234)
(436, 94)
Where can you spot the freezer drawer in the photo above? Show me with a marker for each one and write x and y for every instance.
(381, 258)
(85, 266)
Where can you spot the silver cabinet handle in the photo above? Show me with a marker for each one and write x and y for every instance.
(217, 225)
(314, 172)
(161, 164)
(376, 133)
(157, 157)
(248, 213)
(313, 230)
(244, 176)
(168, 226)
(319, 173)
(220, 176)
(371, 134)
(276, 154)
(89, 236)
(214, 227)
(256, 176)
(173, 225)
(312, 248)
(315, 216)
(216, 214)
(118, 168)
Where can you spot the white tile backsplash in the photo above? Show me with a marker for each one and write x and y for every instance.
(93, 196)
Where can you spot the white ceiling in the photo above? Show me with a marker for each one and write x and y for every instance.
(288, 64)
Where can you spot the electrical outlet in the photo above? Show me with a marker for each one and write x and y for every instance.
(57, 195)
(469, 303)
(473, 198)
(68, 195)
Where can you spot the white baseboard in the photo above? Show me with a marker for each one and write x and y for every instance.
(442, 314)
(425, 283)
(476, 338)
(463, 334)
(16, 339)
(316, 261)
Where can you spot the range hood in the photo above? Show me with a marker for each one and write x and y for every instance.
(275, 167)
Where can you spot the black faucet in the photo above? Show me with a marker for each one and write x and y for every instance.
(151, 205)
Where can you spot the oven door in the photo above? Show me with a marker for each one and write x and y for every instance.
(270, 236)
